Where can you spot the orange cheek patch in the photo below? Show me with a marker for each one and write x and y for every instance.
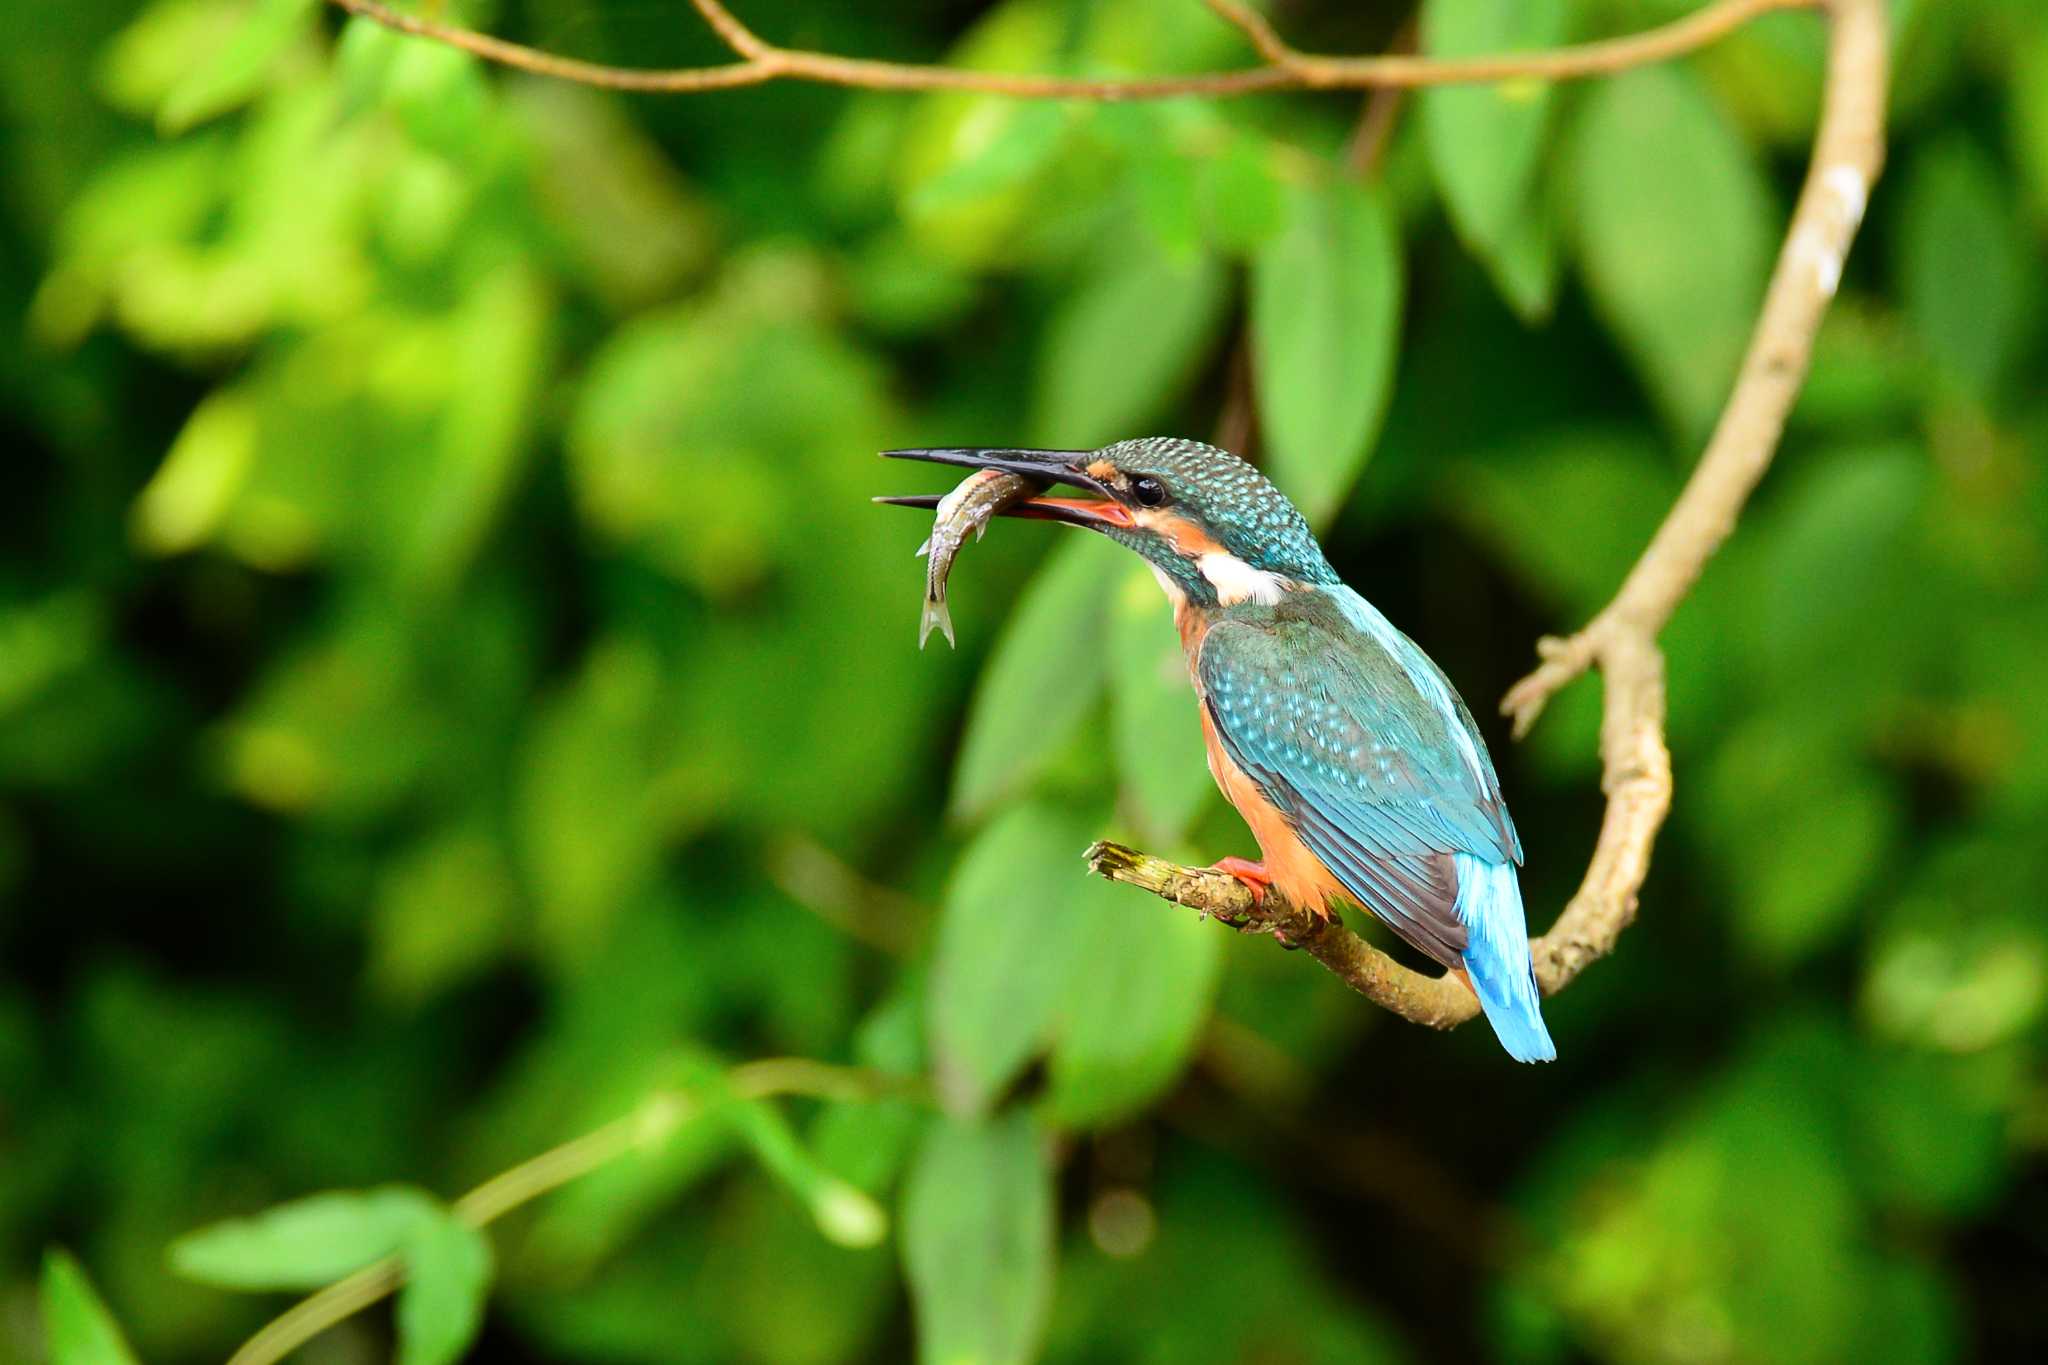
(1183, 535)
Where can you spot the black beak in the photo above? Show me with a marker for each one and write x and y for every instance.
(1046, 466)
(1041, 466)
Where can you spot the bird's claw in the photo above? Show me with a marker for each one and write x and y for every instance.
(1253, 875)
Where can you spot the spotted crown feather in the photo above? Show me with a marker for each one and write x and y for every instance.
(1254, 520)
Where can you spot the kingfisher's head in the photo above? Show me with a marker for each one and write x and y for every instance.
(1216, 530)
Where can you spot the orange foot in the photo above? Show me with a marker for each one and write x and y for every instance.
(1253, 875)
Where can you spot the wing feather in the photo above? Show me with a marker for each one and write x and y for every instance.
(1367, 766)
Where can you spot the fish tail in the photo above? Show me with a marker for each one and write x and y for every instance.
(1497, 957)
(936, 613)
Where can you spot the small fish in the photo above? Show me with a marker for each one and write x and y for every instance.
(969, 507)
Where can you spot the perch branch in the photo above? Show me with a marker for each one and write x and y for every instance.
(1283, 67)
(1622, 639)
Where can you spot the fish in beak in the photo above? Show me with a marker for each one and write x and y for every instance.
(1043, 467)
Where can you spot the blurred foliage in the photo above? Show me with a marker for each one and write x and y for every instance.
(454, 695)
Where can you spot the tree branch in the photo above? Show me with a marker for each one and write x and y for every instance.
(1622, 640)
(1283, 68)
(1374, 132)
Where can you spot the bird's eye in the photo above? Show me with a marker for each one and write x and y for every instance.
(1149, 491)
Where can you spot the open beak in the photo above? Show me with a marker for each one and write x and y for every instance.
(1041, 466)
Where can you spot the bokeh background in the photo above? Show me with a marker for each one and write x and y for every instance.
(453, 686)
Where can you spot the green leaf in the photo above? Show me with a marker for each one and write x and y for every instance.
(192, 491)
(981, 151)
(1486, 141)
(443, 912)
(1022, 137)
(1155, 721)
(1001, 971)
(1798, 828)
(1035, 954)
(1615, 484)
(1325, 318)
(1136, 1004)
(1962, 964)
(978, 1241)
(1927, 1138)
(1046, 672)
(588, 837)
(447, 1279)
(1845, 527)
(1168, 189)
(1673, 235)
(2028, 92)
(1961, 266)
(680, 1142)
(1241, 198)
(1124, 343)
(238, 69)
(632, 224)
(1769, 72)
(304, 1244)
(77, 1327)
(844, 1212)
(867, 1142)
(498, 360)
(364, 55)
(442, 97)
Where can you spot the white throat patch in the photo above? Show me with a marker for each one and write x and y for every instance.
(1236, 581)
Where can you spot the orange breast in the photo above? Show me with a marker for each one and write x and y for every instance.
(1297, 873)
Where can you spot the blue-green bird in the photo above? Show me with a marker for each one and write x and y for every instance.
(1343, 746)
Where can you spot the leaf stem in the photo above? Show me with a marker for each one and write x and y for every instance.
(649, 1125)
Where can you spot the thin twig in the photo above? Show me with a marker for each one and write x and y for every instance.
(645, 1128)
(1257, 31)
(732, 32)
(1237, 418)
(1284, 67)
(1367, 149)
(1622, 640)
(821, 882)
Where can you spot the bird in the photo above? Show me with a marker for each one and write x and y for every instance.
(1343, 746)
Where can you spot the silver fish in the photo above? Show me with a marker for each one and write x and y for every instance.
(971, 505)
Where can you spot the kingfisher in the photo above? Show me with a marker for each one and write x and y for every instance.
(1345, 748)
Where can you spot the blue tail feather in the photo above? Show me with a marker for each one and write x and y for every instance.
(1497, 957)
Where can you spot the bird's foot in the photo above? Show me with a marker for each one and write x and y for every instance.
(1253, 875)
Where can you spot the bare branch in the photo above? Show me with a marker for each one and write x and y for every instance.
(1622, 639)
(1374, 132)
(1437, 1001)
(1256, 30)
(737, 35)
(1284, 68)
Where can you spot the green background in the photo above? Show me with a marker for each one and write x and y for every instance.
(453, 688)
